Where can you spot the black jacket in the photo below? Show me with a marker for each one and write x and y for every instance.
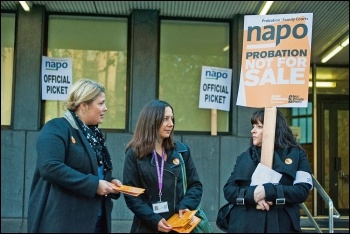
(63, 194)
(142, 173)
(280, 218)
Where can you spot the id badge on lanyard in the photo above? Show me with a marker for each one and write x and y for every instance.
(160, 207)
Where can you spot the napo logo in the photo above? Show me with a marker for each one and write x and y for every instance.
(215, 75)
(55, 65)
(282, 32)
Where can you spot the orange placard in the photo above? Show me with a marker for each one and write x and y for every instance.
(275, 60)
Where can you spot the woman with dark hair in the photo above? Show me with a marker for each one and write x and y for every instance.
(283, 134)
(269, 207)
(152, 162)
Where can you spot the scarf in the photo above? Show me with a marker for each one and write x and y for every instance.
(256, 154)
(96, 141)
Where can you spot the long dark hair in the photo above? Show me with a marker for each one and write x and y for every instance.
(147, 129)
(283, 134)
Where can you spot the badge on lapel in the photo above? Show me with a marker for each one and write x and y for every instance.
(176, 161)
(288, 161)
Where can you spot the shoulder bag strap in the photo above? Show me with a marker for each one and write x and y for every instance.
(183, 171)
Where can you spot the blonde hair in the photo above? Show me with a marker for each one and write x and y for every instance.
(83, 91)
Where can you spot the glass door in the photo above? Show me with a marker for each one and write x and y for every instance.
(334, 148)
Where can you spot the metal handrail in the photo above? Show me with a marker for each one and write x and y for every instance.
(311, 219)
(333, 213)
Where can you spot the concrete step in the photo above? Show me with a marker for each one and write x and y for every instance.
(340, 225)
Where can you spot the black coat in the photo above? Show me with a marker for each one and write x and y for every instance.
(142, 173)
(280, 218)
(63, 194)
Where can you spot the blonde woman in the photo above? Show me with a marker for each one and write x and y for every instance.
(72, 184)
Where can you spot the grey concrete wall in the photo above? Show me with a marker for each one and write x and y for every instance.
(143, 60)
(29, 43)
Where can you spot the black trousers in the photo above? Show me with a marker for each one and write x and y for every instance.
(101, 225)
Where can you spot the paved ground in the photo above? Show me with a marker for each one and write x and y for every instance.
(20, 226)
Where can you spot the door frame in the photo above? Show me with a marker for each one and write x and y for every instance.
(332, 103)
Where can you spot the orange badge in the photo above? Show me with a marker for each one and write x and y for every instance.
(176, 161)
(288, 161)
(73, 140)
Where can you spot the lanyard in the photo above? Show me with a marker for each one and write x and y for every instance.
(159, 172)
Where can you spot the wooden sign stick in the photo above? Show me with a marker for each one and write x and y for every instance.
(214, 122)
(268, 139)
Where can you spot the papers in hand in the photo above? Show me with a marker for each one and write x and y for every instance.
(263, 174)
(186, 223)
(133, 191)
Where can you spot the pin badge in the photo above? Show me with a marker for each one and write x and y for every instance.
(176, 161)
(73, 140)
(288, 161)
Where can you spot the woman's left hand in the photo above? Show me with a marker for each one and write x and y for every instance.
(182, 211)
(265, 205)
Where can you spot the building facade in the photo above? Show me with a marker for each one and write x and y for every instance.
(214, 155)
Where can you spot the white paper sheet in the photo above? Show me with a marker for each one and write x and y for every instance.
(263, 174)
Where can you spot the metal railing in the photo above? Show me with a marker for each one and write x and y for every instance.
(333, 213)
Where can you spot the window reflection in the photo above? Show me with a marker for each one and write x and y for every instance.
(95, 55)
(7, 58)
(185, 48)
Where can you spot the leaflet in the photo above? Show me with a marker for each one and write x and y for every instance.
(129, 190)
(263, 174)
(186, 223)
